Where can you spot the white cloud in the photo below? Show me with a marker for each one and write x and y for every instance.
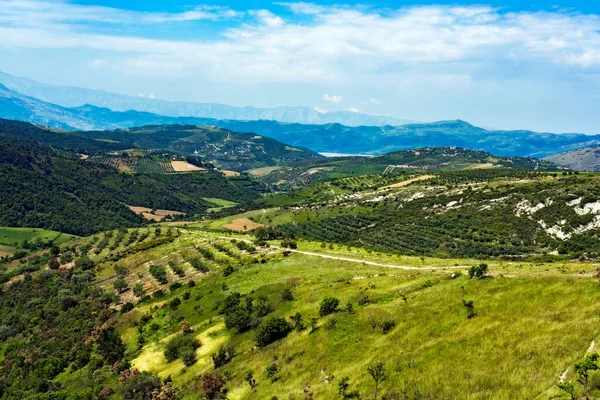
(97, 63)
(354, 110)
(333, 44)
(269, 19)
(304, 8)
(321, 110)
(333, 98)
(373, 101)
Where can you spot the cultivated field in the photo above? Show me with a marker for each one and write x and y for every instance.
(157, 215)
(184, 166)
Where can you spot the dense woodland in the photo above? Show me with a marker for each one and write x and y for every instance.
(41, 189)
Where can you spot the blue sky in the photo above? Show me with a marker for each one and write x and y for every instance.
(500, 64)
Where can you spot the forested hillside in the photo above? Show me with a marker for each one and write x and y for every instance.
(41, 189)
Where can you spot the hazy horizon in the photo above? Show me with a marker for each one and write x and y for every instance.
(510, 65)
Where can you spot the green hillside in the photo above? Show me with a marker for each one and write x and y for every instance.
(41, 189)
(420, 159)
(532, 322)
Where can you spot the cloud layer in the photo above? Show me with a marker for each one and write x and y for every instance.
(309, 44)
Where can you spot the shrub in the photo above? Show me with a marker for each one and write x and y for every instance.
(198, 264)
(298, 323)
(478, 271)
(331, 324)
(159, 273)
(272, 330)
(470, 308)
(138, 289)
(188, 355)
(211, 384)
(328, 305)
(228, 270)
(175, 303)
(179, 345)
(387, 325)
(272, 371)
(53, 263)
(127, 307)
(363, 299)
(287, 295)
(223, 355)
(141, 386)
(240, 319)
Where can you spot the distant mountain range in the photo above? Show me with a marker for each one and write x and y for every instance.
(323, 138)
(67, 96)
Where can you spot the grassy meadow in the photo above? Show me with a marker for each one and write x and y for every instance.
(533, 322)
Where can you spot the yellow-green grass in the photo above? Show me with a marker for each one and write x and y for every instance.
(12, 236)
(528, 330)
(219, 203)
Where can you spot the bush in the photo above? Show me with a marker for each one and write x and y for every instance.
(199, 265)
(159, 273)
(127, 307)
(228, 271)
(223, 355)
(188, 355)
(328, 306)
(274, 329)
(287, 295)
(211, 384)
(478, 271)
(387, 325)
(141, 386)
(180, 345)
(363, 299)
(240, 319)
(175, 303)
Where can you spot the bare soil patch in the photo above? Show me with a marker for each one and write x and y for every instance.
(230, 173)
(242, 224)
(183, 166)
(408, 182)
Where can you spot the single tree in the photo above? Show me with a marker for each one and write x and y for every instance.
(583, 369)
(379, 374)
(138, 289)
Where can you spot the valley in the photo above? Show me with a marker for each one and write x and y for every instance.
(186, 262)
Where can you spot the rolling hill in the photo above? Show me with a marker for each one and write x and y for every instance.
(41, 189)
(586, 159)
(223, 148)
(406, 161)
(322, 138)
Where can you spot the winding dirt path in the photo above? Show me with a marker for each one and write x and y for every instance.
(354, 260)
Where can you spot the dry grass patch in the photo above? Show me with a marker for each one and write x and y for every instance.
(242, 224)
(230, 173)
(408, 182)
